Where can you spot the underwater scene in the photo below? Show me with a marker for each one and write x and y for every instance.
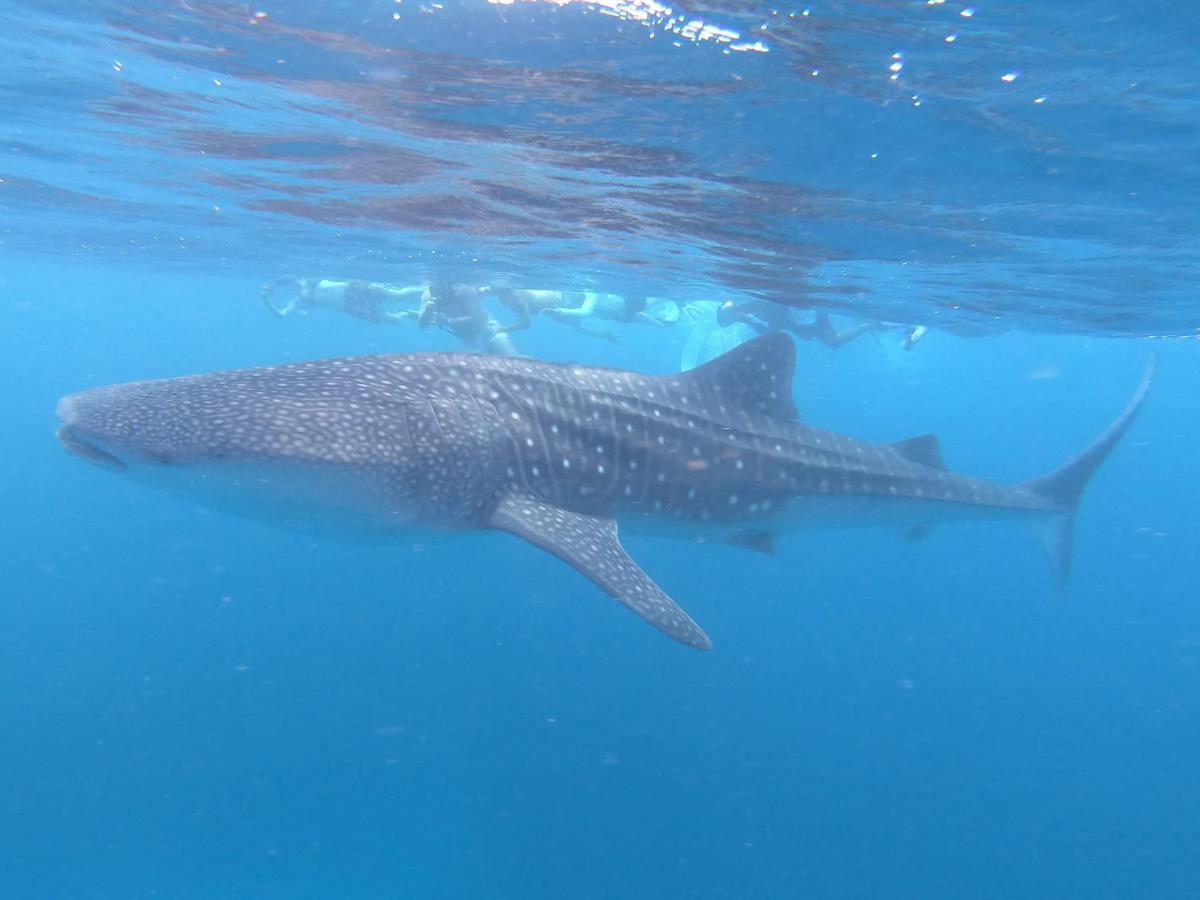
(594, 449)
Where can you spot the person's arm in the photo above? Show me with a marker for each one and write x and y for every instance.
(281, 312)
(582, 311)
(518, 303)
(759, 326)
(428, 313)
(400, 315)
(395, 295)
(475, 317)
(832, 338)
(914, 336)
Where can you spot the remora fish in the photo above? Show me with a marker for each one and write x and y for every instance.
(554, 454)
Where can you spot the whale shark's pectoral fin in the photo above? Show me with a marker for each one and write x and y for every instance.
(590, 545)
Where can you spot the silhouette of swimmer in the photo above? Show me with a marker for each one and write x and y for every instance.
(366, 300)
(615, 308)
(765, 317)
(458, 308)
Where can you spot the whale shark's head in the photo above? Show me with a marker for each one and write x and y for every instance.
(114, 428)
(202, 420)
(357, 433)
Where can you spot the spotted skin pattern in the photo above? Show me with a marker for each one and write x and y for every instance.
(551, 453)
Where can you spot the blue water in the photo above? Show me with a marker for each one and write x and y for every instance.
(196, 706)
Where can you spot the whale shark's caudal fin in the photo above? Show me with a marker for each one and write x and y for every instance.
(590, 545)
(1062, 490)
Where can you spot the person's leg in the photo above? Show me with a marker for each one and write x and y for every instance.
(756, 324)
(497, 341)
(645, 318)
(365, 300)
(665, 313)
(281, 312)
(289, 306)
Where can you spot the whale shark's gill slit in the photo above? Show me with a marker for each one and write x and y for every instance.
(529, 472)
(635, 466)
(442, 432)
(607, 450)
(488, 408)
(547, 458)
(408, 429)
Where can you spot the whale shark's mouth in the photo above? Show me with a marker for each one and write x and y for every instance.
(77, 446)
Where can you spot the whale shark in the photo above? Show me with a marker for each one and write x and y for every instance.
(558, 455)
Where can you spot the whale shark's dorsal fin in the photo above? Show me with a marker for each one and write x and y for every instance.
(752, 377)
(923, 449)
(590, 545)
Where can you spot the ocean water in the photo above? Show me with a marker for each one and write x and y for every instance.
(196, 706)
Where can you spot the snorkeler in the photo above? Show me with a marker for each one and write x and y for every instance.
(458, 308)
(615, 308)
(367, 300)
(917, 333)
(706, 337)
(583, 310)
(765, 317)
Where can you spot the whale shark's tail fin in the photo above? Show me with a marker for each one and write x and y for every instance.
(1063, 489)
